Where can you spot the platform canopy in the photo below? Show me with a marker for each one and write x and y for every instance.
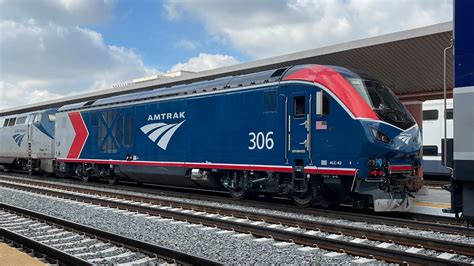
(410, 62)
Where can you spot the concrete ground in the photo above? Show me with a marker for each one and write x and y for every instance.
(432, 201)
(12, 256)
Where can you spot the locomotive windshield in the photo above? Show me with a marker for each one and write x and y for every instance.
(383, 101)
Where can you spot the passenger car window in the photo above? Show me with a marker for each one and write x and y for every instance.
(430, 150)
(299, 106)
(449, 113)
(429, 115)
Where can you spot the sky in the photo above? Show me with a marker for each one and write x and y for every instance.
(56, 48)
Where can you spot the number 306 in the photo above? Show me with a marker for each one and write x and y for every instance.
(261, 140)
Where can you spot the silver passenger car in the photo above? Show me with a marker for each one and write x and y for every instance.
(27, 141)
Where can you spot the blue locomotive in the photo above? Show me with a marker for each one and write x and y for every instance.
(316, 134)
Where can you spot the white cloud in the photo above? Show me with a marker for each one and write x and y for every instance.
(188, 44)
(205, 62)
(272, 27)
(63, 12)
(172, 11)
(45, 53)
(13, 93)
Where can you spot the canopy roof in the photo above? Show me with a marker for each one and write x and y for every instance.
(410, 62)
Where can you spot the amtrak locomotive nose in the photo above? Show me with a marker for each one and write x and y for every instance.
(316, 134)
(394, 140)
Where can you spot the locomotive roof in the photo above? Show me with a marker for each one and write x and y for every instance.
(29, 113)
(231, 82)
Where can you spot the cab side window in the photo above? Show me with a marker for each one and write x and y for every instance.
(37, 118)
(326, 104)
(323, 103)
(11, 121)
(299, 106)
(21, 120)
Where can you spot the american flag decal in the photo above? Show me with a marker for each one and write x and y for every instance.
(321, 125)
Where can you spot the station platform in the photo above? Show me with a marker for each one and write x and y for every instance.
(12, 256)
(432, 201)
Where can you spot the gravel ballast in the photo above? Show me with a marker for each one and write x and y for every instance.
(380, 227)
(212, 243)
(80, 246)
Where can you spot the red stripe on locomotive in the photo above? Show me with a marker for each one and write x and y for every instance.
(339, 86)
(80, 137)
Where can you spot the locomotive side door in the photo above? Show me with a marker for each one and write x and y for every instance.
(29, 123)
(299, 127)
(29, 133)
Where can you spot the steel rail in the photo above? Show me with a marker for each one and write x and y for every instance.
(164, 253)
(299, 238)
(56, 255)
(403, 239)
(414, 221)
(411, 220)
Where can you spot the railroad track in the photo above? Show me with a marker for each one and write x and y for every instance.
(281, 204)
(50, 256)
(411, 220)
(68, 243)
(353, 240)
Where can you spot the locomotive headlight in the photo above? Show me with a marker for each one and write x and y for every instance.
(379, 135)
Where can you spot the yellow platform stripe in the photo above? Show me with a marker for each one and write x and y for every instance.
(433, 204)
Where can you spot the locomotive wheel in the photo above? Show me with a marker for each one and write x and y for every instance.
(112, 180)
(304, 200)
(84, 178)
(239, 193)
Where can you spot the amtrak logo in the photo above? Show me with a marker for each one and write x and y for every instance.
(161, 132)
(18, 138)
(405, 138)
(166, 116)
